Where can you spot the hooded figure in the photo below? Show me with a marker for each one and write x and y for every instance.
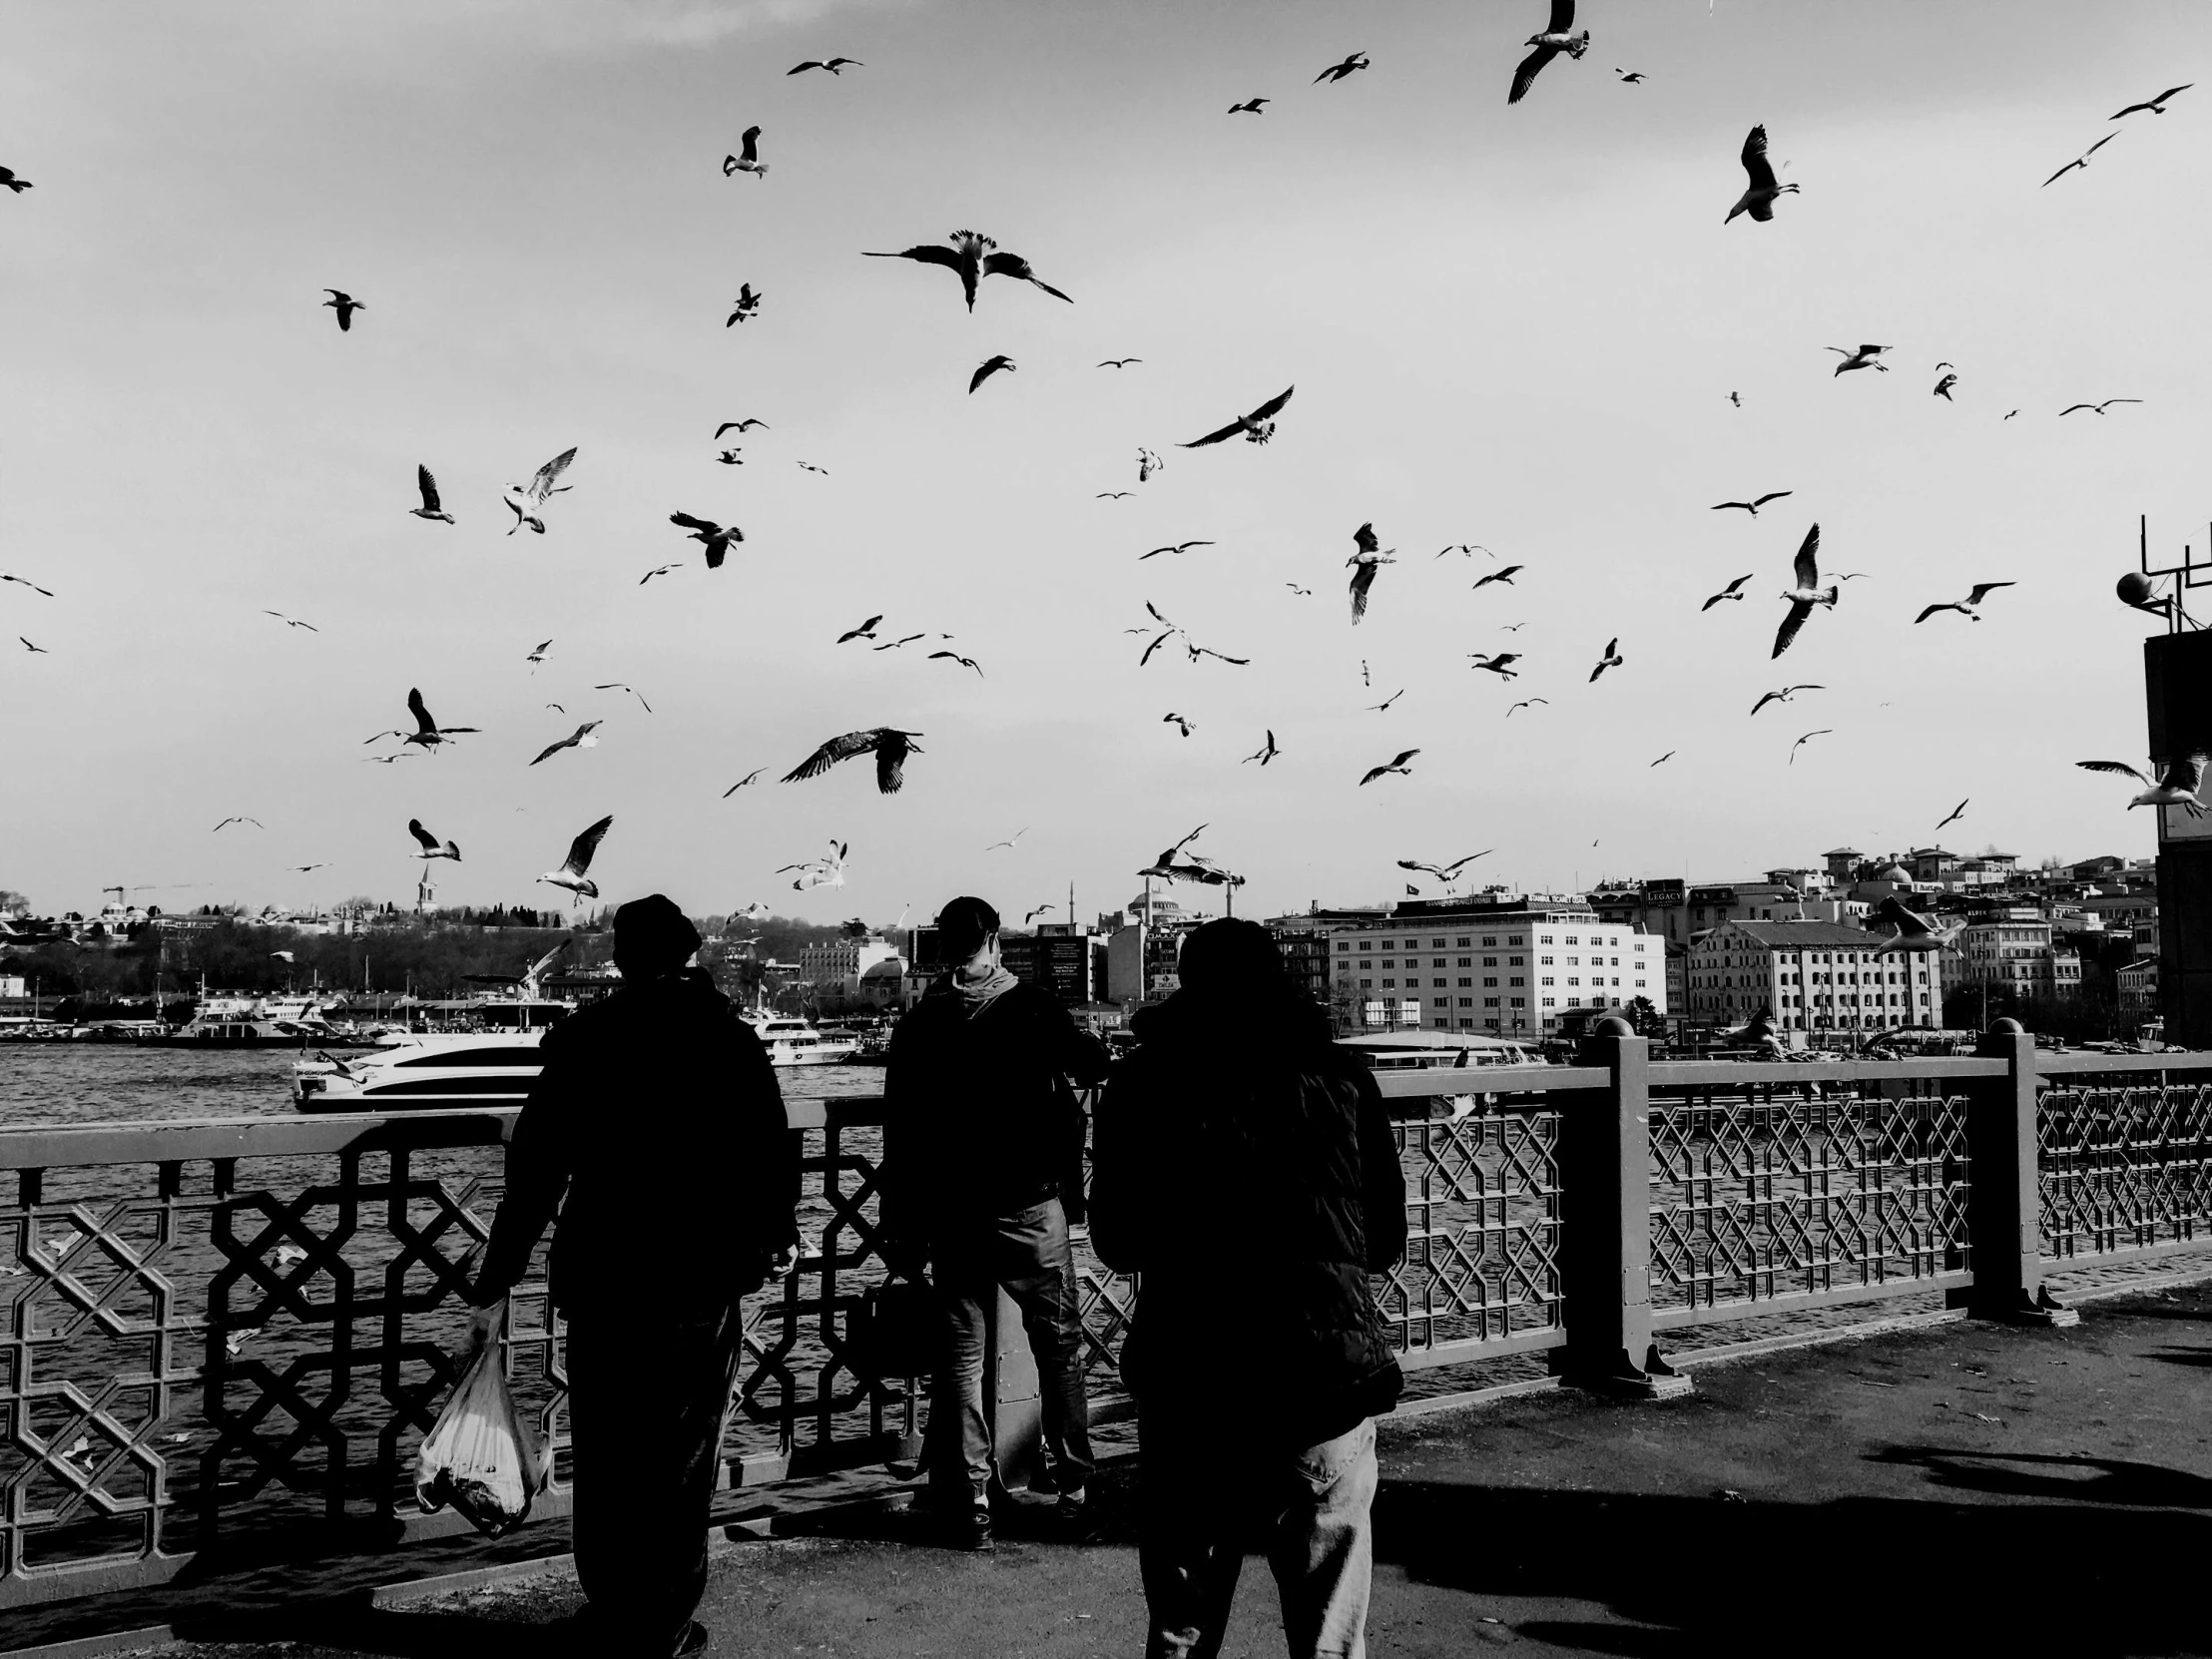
(1237, 1102)
(655, 1109)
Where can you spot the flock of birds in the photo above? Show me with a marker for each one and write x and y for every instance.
(972, 258)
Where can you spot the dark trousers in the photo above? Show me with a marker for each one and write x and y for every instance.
(645, 1407)
(1027, 1254)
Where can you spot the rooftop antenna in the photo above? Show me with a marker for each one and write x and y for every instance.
(2139, 587)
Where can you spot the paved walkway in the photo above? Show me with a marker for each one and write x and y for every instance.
(1959, 1488)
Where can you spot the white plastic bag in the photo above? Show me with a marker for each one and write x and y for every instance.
(477, 1456)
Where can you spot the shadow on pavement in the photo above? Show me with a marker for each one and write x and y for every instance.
(2100, 1480)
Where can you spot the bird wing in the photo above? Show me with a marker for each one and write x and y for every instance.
(800, 69)
(2060, 173)
(556, 748)
(1274, 405)
(2188, 772)
(1904, 919)
(1013, 265)
(751, 142)
(429, 842)
(2094, 148)
(981, 374)
(1366, 540)
(1798, 609)
(1562, 17)
(1771, 495)
(2070, 408)
(423, 722)
(1981, 589)
(1154, 646)
(1755, 159)
(1227, 431)
(1807, 562)
(428, 486)
(541, 486)
(584, 845)
(830, 753)
(1524, 76)
(691, 523)
(2117, 766)
(929, 253)
(1931, 611)
(1405, 756)
(890, 765)
(1362, 578)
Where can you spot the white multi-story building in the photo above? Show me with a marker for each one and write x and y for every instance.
(1493, 969)
(842, 961)
(1812, 976)
(2013, 948)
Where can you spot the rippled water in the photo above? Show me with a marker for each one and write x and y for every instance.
(69, 1082)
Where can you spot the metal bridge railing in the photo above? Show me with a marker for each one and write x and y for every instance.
(224, 1337)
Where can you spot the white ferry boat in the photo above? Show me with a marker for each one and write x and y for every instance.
(1415, 1050)
(796, 1042)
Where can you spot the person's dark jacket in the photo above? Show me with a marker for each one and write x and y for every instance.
(979, 1119)
(1246, 1167)
(658, 1114)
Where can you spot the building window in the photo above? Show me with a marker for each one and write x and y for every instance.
(1367, 984)
(1467, 1002)
(1513, 938)
(1515, 961)
(1436, 984)
(1366, 945)
(1551, 1001)
(1517, 980)
(1466, 979)
(1463, 943)
(1489, 1002)
(1518, 1001)
(1545, 961)
(1547, 980)
(1545, 938)
(1489, 979)
(1389, 985)
(1489, 940)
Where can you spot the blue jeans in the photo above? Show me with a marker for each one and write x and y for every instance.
(1204, 1497)
(1027, 1254)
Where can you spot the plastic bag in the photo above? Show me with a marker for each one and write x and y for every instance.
(477, 1456)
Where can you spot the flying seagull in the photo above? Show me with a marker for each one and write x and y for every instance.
(429, 843)
(866, 630)
(1806, 593)
(1181, 723)
(1662, 761)
(1734, 590)
(2157, 106)
(1400, 765)
(1337, 71)
(1174, 547)
(1913, 931)
(19, 185)
(731, 457)
(427, 733)
(1867, 357)
(741, 783)
(904, 639)
(345, 305)
(1808, 738)
(2177, 787)
(744, 426)
(1955, 813)
(24, 581)
(241, 819)
(1368, 555)
(1444, 873)
(581, 738)
(889, 746)
(1251, 105)
(1302, 593)
(290, 622)
(964, 662)
(1611, 659)
(1943, 387)
(304, 869)
(1256, 427)
(1383, 707)
(571, 873)
(1554, 40)
(748, 157)
(713, 537)
(1469, 548)
(2081, 160)
(836, 66)
(1506, 576)
(810, 467)
(1762, 192)
(1752, 507)
(617, 684)
(2098, 407)
(1113, 495)
(990, 367)
(1147, 464)
(1782, 695)
(748, 305)
(1119, 362)
(534, 496)
(28, 646)
(1265, 753)
(1010, 842)
(1629, 77)
(1500, 664)
(657, 570)
(430, 508)
(1966, 606)
(970, 258)
(1526, 702)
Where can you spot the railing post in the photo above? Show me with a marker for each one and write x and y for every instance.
(2004, 1199)
(1605, 1227)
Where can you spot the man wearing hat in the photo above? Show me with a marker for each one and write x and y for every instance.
(982, 1173)
(657, 1113)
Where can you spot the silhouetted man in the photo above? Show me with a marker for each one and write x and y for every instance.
(1235, 1102)
(658, 1114)
(983, 1172)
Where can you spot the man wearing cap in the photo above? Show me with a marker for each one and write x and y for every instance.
(983, 1174)
(657, 1113)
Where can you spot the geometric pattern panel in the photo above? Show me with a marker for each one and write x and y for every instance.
(1765, 1192)
(1481, 1262)
(2124, 1163)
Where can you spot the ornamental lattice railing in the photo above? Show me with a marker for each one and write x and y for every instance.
(218, 1337)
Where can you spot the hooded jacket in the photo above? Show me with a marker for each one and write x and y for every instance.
(979, 1120)
(1247, 1168)
(658, 1115)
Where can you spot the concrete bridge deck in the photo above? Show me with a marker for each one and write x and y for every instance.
(1962, 1487)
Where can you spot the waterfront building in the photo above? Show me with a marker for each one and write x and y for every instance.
(2138, 983)
(1679, 911)
(839, 963)
(1063, 959)
(2013, 948)
(1813, 976)
(1502, 966)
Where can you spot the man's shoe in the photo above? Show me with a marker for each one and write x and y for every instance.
(692, 1641)
(1073, 1518)
(971, 1531)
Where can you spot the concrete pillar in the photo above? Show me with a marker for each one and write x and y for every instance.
(2004, 1199)
(2177, 690)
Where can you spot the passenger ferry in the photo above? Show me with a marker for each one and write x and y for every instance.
(796, 1042)
(1436, 1050)
(230, 1021)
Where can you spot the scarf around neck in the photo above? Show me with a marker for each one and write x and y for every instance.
(973, 999)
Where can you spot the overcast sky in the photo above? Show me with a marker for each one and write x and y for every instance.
(1513, 327)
